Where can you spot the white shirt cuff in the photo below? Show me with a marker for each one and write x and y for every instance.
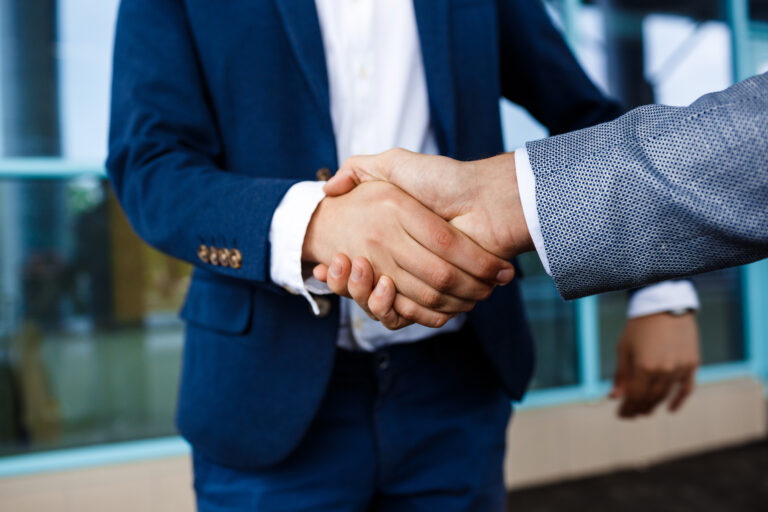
(286, 238)
(661, 297)
(526, 185)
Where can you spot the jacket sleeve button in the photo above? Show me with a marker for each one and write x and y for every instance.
(214, 257)
(235, 259)
(224, 257)
(203, 254)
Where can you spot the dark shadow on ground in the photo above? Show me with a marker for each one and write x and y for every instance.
(732, 480)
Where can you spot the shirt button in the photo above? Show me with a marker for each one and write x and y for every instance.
(363, 72)
(382, 360)
(323, 306)
(323, 174)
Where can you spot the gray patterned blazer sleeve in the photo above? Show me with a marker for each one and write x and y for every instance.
(661, 192)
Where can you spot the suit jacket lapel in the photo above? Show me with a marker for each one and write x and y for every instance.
(434, 21)
(303, 28)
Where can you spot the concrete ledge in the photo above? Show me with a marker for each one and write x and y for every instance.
(163, 485)
(545, 444)
(582, 439)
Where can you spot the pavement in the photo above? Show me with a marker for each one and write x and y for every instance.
(730, 480)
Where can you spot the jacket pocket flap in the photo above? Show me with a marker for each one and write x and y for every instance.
(220, 305)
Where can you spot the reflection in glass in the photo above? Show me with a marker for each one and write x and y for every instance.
(670, 52)
(553, 325)
(90, 344)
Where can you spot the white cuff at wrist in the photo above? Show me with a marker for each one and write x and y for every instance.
(286, 238)
(526, 185)
(661, 297)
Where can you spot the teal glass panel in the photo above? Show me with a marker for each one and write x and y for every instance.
(90, 341)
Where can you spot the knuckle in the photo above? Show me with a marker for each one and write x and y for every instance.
(376, 309)
(403, 323)
(388, 196)
(408, 312)
(443, 277)
(439, 321)
(484, 292)
(432, 299)
(400, 324)
(391, 202)
(443, 237)
(487, 267)
(392, 323)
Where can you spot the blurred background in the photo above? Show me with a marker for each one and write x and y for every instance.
(90, 342)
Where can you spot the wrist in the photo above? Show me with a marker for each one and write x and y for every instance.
(502, 183)
(516, 214)
(315, 247)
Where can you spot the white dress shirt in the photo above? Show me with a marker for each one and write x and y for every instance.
(378, 94)
(378, 100)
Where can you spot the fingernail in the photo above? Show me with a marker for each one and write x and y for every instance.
(381, 288)
(335, 269)
(357, 273)
(505, 276)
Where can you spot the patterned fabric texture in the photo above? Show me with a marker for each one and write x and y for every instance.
(660, 192)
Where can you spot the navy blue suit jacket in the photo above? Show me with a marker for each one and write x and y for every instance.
(218, 107)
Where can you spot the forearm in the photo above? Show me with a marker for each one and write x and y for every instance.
(165, 153)
(177, 204)
(662, 192)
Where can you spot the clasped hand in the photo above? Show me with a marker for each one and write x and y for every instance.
(415, 238)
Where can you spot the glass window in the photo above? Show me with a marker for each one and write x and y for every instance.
(91, 343)
(553, 325)
(551, 318)
(671, 54)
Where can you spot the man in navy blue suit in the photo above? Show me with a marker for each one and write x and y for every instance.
(226, 117)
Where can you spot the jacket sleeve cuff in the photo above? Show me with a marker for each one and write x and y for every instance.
(661, 297)
(286, 237)
(526, 186)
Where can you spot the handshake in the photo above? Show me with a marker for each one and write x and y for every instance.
(417, 238)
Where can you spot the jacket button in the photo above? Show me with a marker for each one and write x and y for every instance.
(202, 253)
(324, 306)
(214, 256)
(323, 174)
(224, 257)
(235, 259)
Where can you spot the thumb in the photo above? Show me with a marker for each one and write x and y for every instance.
(362, 168)
(341, 183)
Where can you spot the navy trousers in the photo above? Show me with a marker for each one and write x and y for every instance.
(415, 427)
